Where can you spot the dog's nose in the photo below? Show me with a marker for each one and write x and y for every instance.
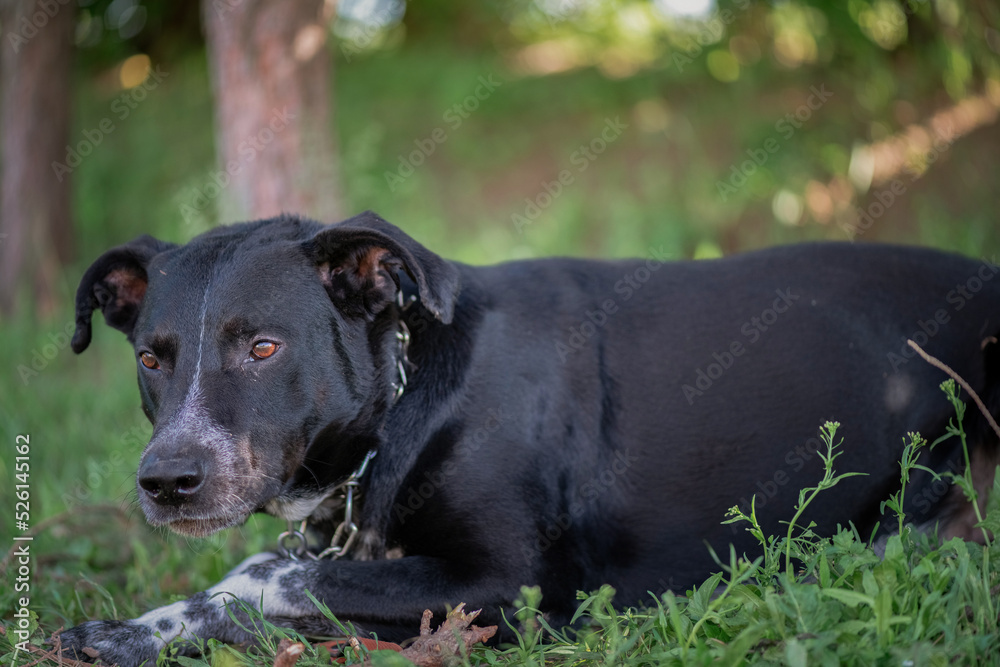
(170, 481)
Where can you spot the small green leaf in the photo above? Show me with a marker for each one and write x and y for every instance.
(225, 657)
(388, 659)
(796, 654)
(894, 552)
(188, 662)
(824, 572)
(869, 584)
(850, 598)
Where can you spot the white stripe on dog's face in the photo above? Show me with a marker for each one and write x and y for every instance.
(196, 380)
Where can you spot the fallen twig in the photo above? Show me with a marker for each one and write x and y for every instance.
(937, 363)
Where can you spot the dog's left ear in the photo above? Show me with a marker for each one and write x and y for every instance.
(358, 260)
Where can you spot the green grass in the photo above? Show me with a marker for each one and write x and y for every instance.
(807, 599)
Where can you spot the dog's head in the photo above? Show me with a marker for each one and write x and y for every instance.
(266, 357)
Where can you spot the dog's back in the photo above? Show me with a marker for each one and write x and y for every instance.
(566, 423)
(640, 400)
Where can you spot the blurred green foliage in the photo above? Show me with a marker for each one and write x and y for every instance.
(697, 97)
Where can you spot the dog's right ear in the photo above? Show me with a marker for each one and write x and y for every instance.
(116, 283)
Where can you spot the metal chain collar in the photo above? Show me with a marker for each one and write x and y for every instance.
(292, 543)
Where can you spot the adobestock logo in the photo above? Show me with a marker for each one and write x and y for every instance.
(454, 116)
(588, 494)
(44, 355)
(713, 28)
(786, 126)
(894, 191)
(26, 28)
(581, 158)
(957, 298)
(413, 499)
(122, 107)
(195, 201)
(596, 318)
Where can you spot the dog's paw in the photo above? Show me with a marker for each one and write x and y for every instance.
(122, 643)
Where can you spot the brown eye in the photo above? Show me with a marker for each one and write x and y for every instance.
(149, 361)
(263, 349)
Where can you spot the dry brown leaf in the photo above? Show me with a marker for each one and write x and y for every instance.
(288, 653)
(450, 641)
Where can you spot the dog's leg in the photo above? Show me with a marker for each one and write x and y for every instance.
(257, 582)
(384, 595)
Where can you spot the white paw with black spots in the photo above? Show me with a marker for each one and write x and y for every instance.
(261, 581)
(125, 643)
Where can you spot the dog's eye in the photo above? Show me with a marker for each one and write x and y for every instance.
(149, 361)
(263, 349)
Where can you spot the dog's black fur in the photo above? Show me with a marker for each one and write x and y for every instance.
(566, 423)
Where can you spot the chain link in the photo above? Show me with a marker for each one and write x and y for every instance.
(402, 346)
(293, 542)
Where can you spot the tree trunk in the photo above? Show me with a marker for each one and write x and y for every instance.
(36, 227)
(272, 75)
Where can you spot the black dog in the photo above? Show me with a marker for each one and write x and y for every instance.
(560, 422)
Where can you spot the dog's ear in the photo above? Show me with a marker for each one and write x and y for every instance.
(116, 283)
(358, 260)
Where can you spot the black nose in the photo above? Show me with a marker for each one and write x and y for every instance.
(171, 481)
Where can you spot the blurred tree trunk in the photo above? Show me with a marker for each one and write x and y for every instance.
(271, 76)
(36, 227)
